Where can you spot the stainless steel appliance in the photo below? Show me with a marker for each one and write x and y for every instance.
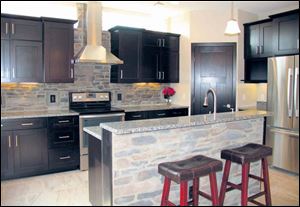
(283, 101)
(93, 108)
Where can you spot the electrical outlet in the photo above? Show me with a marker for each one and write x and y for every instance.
(119, 97)
(52, 98)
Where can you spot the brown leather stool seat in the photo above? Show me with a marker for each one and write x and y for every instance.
(246, 154)
(189, 169)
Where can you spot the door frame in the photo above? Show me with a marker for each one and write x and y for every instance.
(234, 58)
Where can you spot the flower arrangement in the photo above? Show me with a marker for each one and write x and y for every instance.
(168, 92)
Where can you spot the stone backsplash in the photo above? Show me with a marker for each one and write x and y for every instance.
(88, 77)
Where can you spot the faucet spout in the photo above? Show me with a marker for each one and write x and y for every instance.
(205, 104)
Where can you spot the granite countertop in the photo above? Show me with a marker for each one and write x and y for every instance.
(151, 107)
(129, 127)
(95, 131)
(36, 114)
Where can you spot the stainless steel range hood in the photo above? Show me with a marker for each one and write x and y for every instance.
(94, 52)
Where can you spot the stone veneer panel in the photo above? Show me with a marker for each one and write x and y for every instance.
(136, 157)
(88, 77)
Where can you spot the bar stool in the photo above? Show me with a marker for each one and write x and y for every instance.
(245, 155)
(190, 169)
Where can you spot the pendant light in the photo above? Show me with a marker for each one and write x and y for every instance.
(232, 27)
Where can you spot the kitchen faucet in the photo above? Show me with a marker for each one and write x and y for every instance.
(205, 104)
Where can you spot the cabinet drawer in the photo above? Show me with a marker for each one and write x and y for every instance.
(26, 30)
(159, 114)
(135, 115)
(63, 121)
(63, 158)
(179, 112)
(32, 123)
(63, 137)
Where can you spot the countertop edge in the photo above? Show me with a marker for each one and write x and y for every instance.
(42, 115)
(94, 131)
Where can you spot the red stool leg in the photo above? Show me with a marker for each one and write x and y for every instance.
(166, 191)
(183, 193)
(196, 192)
(214, 189)
(266, 182)
(245, 179)
(224, 182)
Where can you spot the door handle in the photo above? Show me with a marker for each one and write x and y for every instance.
(162, 114)
(290, 92)
(163, 42)
(121, 74)
(64, 121)
(163, 75)
(159, 42)
(296, 93)
(13, 73)
(17, 140)
(137, 116)
(72, 73)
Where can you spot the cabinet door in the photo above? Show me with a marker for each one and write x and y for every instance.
(31, 152)
(286, 35)
(26, 30)
(129, 52)
(171, 42)
(7, 158)
(5, 67)
(152, 39)
(5, 28)
(26, 61)
(266, 40)
(150, 64)
(58, 52)
(252, 41)
(169, 67)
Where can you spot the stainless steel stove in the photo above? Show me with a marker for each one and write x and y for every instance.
(94, 108)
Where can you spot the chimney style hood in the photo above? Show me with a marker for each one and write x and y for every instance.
(94, 52)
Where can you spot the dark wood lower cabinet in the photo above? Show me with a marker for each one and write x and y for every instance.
(30, 151)
(7, 162)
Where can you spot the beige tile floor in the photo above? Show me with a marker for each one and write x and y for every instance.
(71, 189)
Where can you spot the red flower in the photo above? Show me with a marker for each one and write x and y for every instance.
(168, 91)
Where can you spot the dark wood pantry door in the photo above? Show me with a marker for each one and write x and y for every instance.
(213, 66)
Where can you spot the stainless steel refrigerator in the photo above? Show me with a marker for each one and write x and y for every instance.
(283, 100)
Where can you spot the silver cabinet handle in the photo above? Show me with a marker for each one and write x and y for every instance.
(159, 42)
(27, 124)
(296, 92)
(72, 73)
(17, 141)
(13, 72)
(163, 42)
(121, 74)
(290, 92)
(6, 28)
(64, 121)
(163, 77)
(63, 137)
(137, 116)
(65, 158)
(261, 50)
(13, 28)
(9, 141)
(162, 114)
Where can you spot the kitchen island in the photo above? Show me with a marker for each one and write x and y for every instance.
(124, 156)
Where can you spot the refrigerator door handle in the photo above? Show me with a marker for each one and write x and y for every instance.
(296, 92)
(290, 92)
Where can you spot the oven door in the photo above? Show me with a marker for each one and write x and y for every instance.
(94, 120)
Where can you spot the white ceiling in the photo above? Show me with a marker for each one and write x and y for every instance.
(256, 7)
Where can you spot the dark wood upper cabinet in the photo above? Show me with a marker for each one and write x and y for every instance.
(5, 61)
(148, 56)
(29, 159)
(58, 52)
(26, 30)
(286, 34)
(26, 61)
(258, 39)
(126, 44)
